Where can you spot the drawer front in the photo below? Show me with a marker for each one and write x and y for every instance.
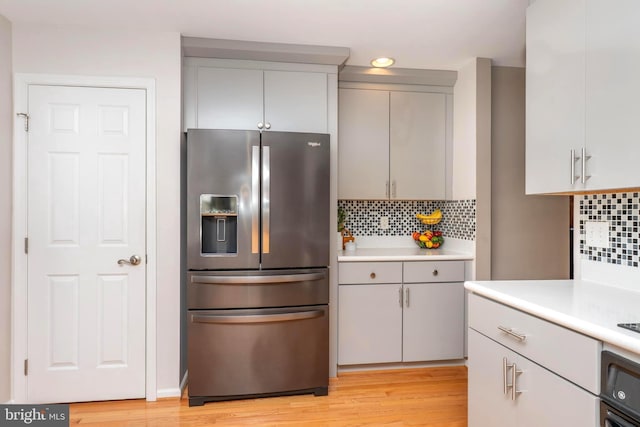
(565, 352)
(433, 271)
(352, 273)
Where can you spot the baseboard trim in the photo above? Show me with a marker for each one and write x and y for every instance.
(390, 366)
(169, 392)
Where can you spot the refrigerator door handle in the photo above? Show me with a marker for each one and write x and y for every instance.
(255, 199)
(258, 280)
(266, 190)
(256, 318)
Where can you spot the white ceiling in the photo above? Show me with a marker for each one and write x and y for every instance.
(430, 34)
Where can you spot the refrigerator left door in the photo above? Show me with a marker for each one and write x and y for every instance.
(223, 199)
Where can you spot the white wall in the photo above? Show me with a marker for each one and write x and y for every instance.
(472, 153)
(85, 51)
(464, 134)
(6, 130)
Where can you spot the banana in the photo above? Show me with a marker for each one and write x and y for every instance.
(431, 219)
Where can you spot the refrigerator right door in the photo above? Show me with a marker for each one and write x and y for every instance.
(295, 200)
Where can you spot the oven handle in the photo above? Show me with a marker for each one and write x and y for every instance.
(259, 280)
(252, 318)
(619, 422)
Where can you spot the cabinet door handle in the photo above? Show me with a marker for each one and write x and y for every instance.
(574, 159)
(393, 189)
(505, 368)
(267, 125)
(514, 386)
(584, 165)
(509, 331)
(406, 297)
(386, 189)
(260, 125)
(400, 296)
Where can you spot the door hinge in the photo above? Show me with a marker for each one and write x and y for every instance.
(26, 367)
(26, 245)
(26, 120)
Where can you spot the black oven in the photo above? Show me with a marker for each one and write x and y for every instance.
(620, 391)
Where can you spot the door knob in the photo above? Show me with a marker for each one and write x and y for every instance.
(133, 260)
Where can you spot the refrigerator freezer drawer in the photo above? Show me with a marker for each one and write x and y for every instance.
(257, 289)
(241, 353)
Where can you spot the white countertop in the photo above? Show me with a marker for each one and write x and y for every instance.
(586, 307)
(401, 254)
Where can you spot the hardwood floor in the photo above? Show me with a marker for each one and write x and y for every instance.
(433, 397)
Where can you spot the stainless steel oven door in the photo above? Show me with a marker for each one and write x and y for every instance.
(245, 352)
(610, 417)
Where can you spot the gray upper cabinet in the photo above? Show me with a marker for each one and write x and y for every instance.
(392, 144)
(363, 132)
(229, 98)
(417, 145)
(230, 94)
(582, 112)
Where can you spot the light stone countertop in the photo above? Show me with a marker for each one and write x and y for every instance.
(589, 308)
(401, 254)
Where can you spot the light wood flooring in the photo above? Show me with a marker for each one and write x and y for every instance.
(433, 397)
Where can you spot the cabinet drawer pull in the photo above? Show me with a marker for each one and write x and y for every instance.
(372, 275)
(509, 331)
(435, 272)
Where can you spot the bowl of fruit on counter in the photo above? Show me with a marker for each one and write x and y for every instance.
(429, 239)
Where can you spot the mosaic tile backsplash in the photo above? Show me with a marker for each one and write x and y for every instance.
(363, 217)
(620, 210)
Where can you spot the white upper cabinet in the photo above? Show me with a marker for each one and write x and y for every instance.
(392, 144)
(583, 59)
(232, 95)
(554, 95)
(613, 89)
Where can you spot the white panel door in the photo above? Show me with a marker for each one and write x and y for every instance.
(295, 101)
(369, 324)
(363, 151)
(86, 210)
(433, 322)
(417, 144)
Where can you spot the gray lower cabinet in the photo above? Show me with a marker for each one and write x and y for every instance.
(385, 319)
(524, 371)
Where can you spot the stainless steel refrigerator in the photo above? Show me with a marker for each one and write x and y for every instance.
(257, 255)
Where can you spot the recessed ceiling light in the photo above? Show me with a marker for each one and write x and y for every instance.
(382, 62)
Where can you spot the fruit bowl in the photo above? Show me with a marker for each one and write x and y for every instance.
(429, 239)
